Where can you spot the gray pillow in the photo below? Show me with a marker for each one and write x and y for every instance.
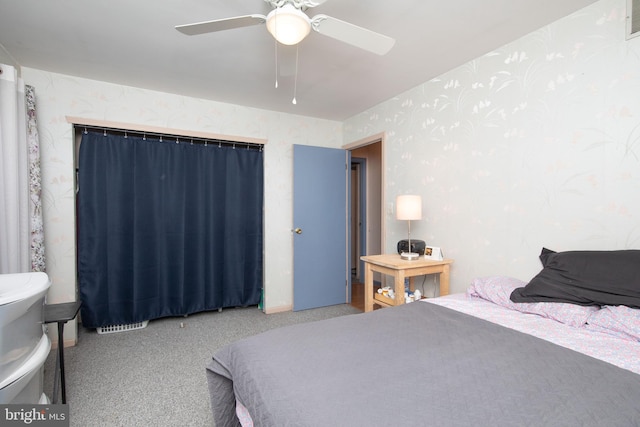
(585, 278)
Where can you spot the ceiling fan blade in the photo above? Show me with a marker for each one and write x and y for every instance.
(352, 34)
(221, 24)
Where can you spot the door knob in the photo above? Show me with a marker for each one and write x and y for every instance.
(298, 230)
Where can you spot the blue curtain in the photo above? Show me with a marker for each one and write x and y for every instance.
(166, 228)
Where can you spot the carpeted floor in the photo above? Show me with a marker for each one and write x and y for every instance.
(156, 376)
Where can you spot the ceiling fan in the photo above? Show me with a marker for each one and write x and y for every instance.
(289, 24)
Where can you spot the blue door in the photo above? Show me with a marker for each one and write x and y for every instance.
(320, 254)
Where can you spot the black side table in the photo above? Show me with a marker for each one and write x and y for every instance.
(60, 314)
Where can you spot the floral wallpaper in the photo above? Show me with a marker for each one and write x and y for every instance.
(534, 144)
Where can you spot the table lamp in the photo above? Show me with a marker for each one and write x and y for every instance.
(409, 207)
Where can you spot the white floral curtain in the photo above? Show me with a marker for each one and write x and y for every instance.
(21, 233)
(35, 187)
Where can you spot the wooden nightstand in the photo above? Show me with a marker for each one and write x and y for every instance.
(393, 265)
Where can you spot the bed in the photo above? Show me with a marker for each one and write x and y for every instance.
(477, 358)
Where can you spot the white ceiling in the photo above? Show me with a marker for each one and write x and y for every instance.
(134, 43)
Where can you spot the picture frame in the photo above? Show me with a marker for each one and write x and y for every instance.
(433, 253)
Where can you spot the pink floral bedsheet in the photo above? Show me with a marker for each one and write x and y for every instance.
(600, 344)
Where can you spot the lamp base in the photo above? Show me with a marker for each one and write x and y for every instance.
(409, 256)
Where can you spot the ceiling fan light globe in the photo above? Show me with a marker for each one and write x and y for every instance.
(288, 25)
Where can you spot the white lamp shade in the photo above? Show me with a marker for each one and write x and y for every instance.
(288, 25)
(409, 207)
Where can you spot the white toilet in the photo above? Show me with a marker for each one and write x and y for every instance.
(24, 345)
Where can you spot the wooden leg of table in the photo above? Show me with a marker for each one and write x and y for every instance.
(368, 287)
(444, 280)
(412, 284)
(399, 287)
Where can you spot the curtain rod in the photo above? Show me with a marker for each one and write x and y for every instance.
(131, 127)
(177, 138)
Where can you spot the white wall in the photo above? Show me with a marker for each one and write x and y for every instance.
(534, 144)
(61, 95)
(6, 58)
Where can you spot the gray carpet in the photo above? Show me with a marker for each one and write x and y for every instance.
(156, 376)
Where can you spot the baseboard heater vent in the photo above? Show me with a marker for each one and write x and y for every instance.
(122, 328)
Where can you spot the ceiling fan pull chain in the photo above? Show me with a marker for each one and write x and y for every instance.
(295, 81)
(276, 49)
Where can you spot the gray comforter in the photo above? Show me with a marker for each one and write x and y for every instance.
(416, 365)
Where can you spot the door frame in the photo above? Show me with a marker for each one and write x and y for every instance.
(360, 245)
(379, 138)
